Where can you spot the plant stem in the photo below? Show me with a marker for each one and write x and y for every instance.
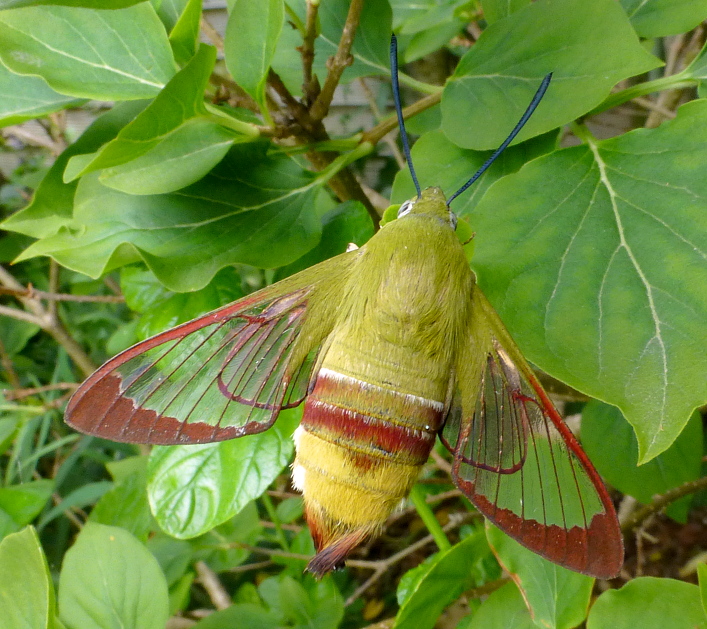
(339, 62)
(674, 82)
(428, 517)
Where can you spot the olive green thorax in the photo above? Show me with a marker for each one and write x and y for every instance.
(407, 302)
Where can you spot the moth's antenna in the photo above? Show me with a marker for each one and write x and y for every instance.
(521, 123)
(399, 110)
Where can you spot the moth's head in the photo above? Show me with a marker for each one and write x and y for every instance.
(431, 202)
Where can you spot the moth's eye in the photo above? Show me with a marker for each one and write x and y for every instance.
(453, 220)
(405, 208)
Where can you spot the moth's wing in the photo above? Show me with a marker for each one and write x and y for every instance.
(519, 463)
(223, 375)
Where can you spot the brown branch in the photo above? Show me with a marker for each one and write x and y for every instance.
(214, 588)
(310, 85)
(9, 368)
(49, 323)
(660, 502)
(18, 393)
(370, 97)
(375, 134)
(31, 292)
(211, 34)
(338, 63)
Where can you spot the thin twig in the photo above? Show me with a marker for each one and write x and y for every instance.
(18, 393)
(213, 586)
(53, 297)
(338, 63)
(382, 129)
(660, 502)
(211, 34)
(50, 324)
(310, 86)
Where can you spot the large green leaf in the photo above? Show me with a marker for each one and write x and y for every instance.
(251, 208)
(109, 579)
(53, 203)
(612, 447)
(503, 609)
(649, 603)
(26, 588)
(170, 145)
(194, 488)
(440, 581)
(87, 53)
(252, 32)
(89, 4)
(588, 46)
(495, 10)
(557, 598)
(439, 162)
(27, 97)
(20, 504)
(658, 18)
(370, 47)
(594, 258)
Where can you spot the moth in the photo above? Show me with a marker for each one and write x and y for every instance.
(389, 346)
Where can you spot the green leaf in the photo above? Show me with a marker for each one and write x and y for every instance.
(109, 579)
(439, 162)
(347, 223)
(194, 488)
(221, 547)
(372, 42)
(120, 55)
(252, 209)
(27, 97)
(162, 309)
(242, 615)
(26, 589)
(306, 605)
(252, 32)
(495, 10)
(184, 37)
(503, 608)
(53, 202)
(588, 47)
(440, 581)
(649, 603)
(611, 445)
(594, 259)
(658, 18)
(557, 598)
(173, 555)
(125, 504)
(83, 496)
(89, 4)
(168, 146)
(15, 334)
(702, 579)
(20, 504)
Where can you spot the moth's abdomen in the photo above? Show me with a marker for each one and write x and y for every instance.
(360, 448)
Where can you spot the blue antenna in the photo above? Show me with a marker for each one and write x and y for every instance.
(399, 110)
(521, 123)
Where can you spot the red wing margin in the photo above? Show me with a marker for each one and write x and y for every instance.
(524, 470)
(224, 375)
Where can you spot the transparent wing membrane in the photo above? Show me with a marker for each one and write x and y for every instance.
(521, 466)
(221, 376)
